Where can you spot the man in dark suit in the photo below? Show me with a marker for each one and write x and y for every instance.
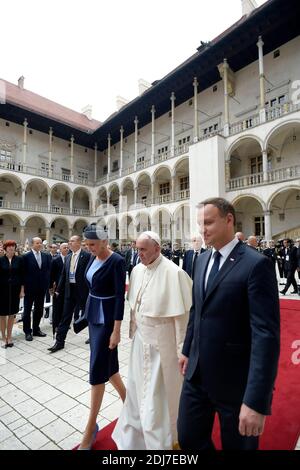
(56, 269)
(231, 350)
(191, 256)
(130, 258)
(73, 286)
(290, 265)
(37, 266)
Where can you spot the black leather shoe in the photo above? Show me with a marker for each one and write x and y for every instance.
(87, 341)
(294, 292)
(28, 337)
(282, 292)
(40, 333)
(56, 347)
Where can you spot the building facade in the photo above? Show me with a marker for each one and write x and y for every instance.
(226, 123)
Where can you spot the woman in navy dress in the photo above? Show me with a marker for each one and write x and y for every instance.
(106, 277)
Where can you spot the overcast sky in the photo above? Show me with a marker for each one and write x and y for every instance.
(83, 52)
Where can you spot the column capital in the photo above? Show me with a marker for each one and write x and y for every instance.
(96, 146)
(121, 129)
(225, 63)
(153, 109)
(172, 97)
(260, 42)
(195, 82)
(50, 131)
(136, 121)
(25, 123)
(109, 138)
(72, 139)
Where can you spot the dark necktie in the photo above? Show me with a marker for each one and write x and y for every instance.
(214, 270)
(196, 253)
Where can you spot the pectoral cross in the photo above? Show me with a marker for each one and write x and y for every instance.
(138, 303)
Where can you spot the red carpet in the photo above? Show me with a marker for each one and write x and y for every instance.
(282, 429)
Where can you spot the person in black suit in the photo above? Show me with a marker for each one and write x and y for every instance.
(130, 258)
(176, 254)
(290, 265)
(37, 266)
(11, 289)
(73, 287)
(191, 256)
(56, 270)
(270, 252)
(231, 349)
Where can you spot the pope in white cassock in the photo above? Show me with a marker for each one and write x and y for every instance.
(160, 297)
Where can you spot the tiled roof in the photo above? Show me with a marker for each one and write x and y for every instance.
(30, 101)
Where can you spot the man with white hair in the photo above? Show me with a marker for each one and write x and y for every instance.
(160, 296)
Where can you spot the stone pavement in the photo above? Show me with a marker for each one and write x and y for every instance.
(44, 398)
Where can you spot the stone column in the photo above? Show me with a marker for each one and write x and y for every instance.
(268, 225)
(70, 232)
(95, 163)
(173, 188)
(25, 124)
(50, 152)
(152, 191)
(23, 198)
(262, 111)
(49, 200)
(121, 150)
(172, 98)
(226, 99)
(196, 130)
(153, 135)
(135, 194)
(71, 204)
(135, 141)
(265, 165)
(72, 159)
(108, 157)
(47, 229)
(22, 233)
(227, 174)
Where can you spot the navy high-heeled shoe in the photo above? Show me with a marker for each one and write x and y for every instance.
(93, 439)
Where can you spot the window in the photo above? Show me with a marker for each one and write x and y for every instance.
(276, 53)
(83, 175)
(162, 150)
(256, 164)
(281, 99)
(6, 156)
(45, 166)
(259, 226)
(141, 159)
(184, 140)
(1, 204)
(215, 87)
(184, 183)
(164, 188)
(65, 173)
(191, 103)
(273, 102)
(115, 165)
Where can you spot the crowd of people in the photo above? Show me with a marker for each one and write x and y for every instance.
(204, 323)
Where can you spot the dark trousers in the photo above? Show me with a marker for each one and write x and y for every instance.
(38, 300)
(71, 306)
(196, 419)
(291, 281)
